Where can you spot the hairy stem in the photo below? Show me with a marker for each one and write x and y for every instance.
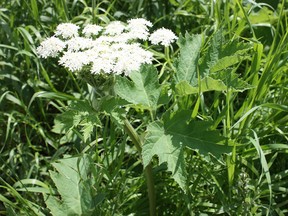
(148, 169)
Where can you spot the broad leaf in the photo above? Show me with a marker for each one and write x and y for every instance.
(263, 16)
(143, 89)
(74, 186)
(79, 114)
(227, 61)
(207, 84)
(220, 81)
(159, 143)
(112, 106)
(231, 53)
(231, 80)
(195, 134)
(211, 56)
(168, 139)
(186, 64)
(221, 54)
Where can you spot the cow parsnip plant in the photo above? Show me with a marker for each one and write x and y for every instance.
(115, 50)
(205, 119)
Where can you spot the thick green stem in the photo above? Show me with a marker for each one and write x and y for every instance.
(151, 189)
(148, 169)
(133, 135)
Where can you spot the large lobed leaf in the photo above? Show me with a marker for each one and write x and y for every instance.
(186, 64)
(74, 187)
(223, 54)
(79, 114)
(159, 143)
(214, 68)
(210, 58)
(222, 81)
(167, 140)
(143, 89)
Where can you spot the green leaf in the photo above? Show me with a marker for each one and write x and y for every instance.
(195, 134)
(211, 56)
(232, 81)
(221, 54)
(221, 81)
(158, 143)
(186, 64)
(184, 88)
(168, 139)
(207, 84)
(226, 62)
(231, 53)
(79, 114)
(264, 15)
(143, 90)
(112, 106)
(74, 186)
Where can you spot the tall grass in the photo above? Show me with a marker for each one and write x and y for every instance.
(251, 180)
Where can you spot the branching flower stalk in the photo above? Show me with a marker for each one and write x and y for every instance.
(114, 49)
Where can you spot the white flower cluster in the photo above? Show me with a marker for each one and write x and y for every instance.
(110, 49)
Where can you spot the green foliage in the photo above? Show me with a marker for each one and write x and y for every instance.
(186, 64)
(144, 89)
(192, 112)
(167, 140)
(74, 183)
(79, 114)
(214, 73)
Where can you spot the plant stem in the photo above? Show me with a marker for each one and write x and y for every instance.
(133, 135)
(148, 169)
(151, 189)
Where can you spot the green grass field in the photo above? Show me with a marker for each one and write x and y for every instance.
(203, 130)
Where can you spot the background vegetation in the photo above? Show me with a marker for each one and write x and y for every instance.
(251, 180)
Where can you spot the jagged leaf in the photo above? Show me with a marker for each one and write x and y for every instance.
(235, 47)
(168, 139)
(74, 186)
(195, 134)
(112, 106)
(232, 80)
(227, 61)
(207, 84)
(231, 53)
(184, 88)
(212, 54)
(143, 89)
(79, 114)
(221, 54)
(220, 82)
(186, 64)
(159, 143)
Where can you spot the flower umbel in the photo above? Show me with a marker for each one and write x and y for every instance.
(67, 30)
(163, 36)
(50, 47)
(110, 49)
(90, 30)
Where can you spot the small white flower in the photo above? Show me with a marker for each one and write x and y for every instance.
(67, 30)
(130, 57)
(90, 30)
(50, 47)
(79, 43)
(139, 21)
(74, 61)
(113, 51)
(138, 28)
(163, 36)
(102, 64)
(114, 28)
